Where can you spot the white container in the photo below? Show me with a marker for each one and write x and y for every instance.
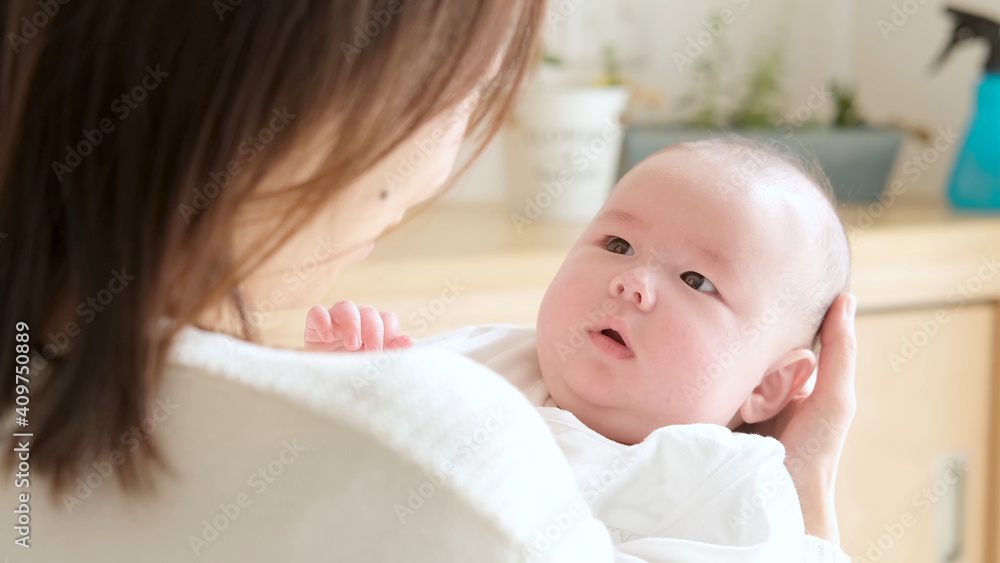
(563, 148)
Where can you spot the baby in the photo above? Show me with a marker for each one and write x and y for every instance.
(689, 306)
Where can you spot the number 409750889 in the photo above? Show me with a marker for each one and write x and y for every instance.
(22, 370)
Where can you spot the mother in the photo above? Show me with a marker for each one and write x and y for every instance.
(166, 165)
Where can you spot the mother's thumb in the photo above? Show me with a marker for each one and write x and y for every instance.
(838, 352)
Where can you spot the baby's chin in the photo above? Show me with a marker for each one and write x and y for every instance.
(603, 419)
(623, 424)
(582, 388)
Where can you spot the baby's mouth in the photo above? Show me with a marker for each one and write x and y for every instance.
(613, 334)
(612, 343)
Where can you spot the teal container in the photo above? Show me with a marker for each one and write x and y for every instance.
(975, 180)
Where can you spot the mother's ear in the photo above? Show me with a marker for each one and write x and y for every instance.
(783, 380)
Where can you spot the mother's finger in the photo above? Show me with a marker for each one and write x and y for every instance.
(837, 358)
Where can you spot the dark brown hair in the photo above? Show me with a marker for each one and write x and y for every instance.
(125, 128)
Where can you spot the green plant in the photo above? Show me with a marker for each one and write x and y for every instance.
(550, 59)
(705, 99)
(611, 74)
(761, 105)
(847, 113)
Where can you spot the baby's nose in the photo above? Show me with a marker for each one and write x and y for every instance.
(635, 286)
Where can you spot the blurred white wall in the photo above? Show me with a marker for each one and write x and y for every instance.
(884, 47)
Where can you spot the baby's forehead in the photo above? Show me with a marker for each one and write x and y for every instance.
(730, 169)
(735, 199)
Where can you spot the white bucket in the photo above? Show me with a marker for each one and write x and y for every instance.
(564, 149)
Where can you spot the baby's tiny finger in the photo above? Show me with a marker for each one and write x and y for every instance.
(390, 323)
(372, 330)
(401, 341)
(337, 346)
(347, 323)
(319, 328)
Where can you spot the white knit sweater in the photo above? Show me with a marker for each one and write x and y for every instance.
(420, 455)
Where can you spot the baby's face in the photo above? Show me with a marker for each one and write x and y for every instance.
(692, 276)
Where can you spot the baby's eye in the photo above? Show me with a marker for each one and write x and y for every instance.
(618, 245)
(698, 282)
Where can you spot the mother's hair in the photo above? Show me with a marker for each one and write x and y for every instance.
(113, 113)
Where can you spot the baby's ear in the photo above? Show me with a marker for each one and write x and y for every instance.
(783, 380)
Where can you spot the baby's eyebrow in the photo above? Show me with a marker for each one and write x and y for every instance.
(712, 256)
(620, 216)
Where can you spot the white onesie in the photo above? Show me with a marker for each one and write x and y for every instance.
(686, 483)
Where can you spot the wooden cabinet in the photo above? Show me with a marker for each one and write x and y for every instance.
(926, 395)
(919, 446)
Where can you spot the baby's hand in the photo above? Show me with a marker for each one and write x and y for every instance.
(345, 327)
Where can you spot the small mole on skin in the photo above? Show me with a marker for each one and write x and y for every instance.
(384, 195)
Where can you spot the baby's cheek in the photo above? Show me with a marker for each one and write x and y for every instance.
(702, 357)
(691, 345)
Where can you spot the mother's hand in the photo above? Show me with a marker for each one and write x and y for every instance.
(813, 428)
